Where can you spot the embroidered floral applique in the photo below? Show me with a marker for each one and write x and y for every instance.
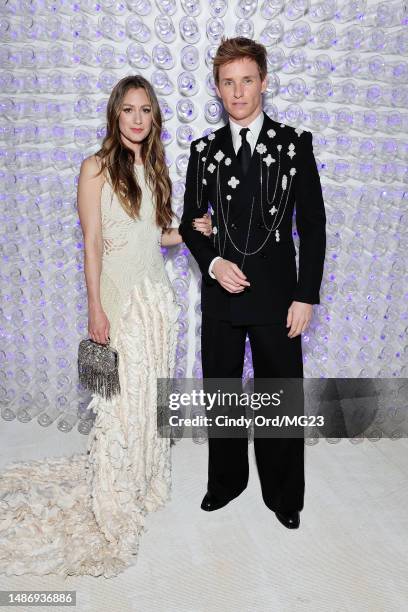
(269, 160)
(299, 131)
(279, 147)
(271, 133)
(284, 182)
(227, 161)
(211, 168)
(273, 210)
(201, 181)
(229, 197)
(277, 237)
(261, 148)
(233, 182)
(219, 156)
(211, 136)
(292, 171)
(291, 150)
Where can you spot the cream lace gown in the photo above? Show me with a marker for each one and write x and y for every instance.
(84, 514)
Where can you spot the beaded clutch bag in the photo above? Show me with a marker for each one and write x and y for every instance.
(98, 368)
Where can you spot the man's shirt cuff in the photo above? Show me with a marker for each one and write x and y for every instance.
(211, 266)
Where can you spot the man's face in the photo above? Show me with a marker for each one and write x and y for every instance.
(240, 88)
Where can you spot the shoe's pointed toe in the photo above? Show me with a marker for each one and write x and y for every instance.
(291, 520)
(210, 502)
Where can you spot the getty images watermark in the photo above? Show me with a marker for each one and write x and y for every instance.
(222, 399)
(283, 407)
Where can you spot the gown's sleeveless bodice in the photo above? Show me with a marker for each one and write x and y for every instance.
(131, 249)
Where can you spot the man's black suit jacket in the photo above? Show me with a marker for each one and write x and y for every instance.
(293, 178)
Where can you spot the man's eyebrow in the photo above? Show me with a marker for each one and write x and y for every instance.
(247, 76)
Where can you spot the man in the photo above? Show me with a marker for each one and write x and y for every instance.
(251, 172)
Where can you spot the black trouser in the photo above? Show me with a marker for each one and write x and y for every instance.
(280, 461)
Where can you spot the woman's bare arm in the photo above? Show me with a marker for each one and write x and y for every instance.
(89, 210)
(172, 237)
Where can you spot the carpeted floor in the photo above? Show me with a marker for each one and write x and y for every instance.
(349, 555)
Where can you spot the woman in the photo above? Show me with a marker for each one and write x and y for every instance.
(87, 511)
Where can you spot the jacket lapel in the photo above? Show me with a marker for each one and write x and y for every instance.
(254, 157)
(249, 184)
(224, 142)
(236, 189)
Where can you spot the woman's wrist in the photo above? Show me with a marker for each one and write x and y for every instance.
(94, 306)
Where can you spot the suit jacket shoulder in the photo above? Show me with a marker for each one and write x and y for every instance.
(207, 138)
(287, 131)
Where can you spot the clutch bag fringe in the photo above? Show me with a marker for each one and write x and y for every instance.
(98, 368)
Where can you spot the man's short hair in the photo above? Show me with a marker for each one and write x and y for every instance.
(231, 49)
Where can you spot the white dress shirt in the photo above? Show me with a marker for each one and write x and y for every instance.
(251, 136)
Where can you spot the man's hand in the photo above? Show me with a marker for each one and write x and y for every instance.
(229, 276)
(299, 315)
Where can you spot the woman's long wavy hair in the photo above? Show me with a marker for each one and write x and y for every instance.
(118, 159)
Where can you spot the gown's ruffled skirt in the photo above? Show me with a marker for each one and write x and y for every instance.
(84, 514)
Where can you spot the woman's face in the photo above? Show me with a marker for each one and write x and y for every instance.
(135, 119)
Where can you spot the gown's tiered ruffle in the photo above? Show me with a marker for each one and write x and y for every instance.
(84, 514)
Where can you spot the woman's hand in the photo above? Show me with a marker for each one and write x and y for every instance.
(98, 325)
(203, 225)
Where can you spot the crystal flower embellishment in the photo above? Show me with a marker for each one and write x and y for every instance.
(233, 182)
(269, 160)
(200, 146)
(291, 150)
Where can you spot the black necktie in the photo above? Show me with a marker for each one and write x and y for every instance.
(244, 152)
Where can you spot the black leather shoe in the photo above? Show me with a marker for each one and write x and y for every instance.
(291, 520)
(210, 502)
